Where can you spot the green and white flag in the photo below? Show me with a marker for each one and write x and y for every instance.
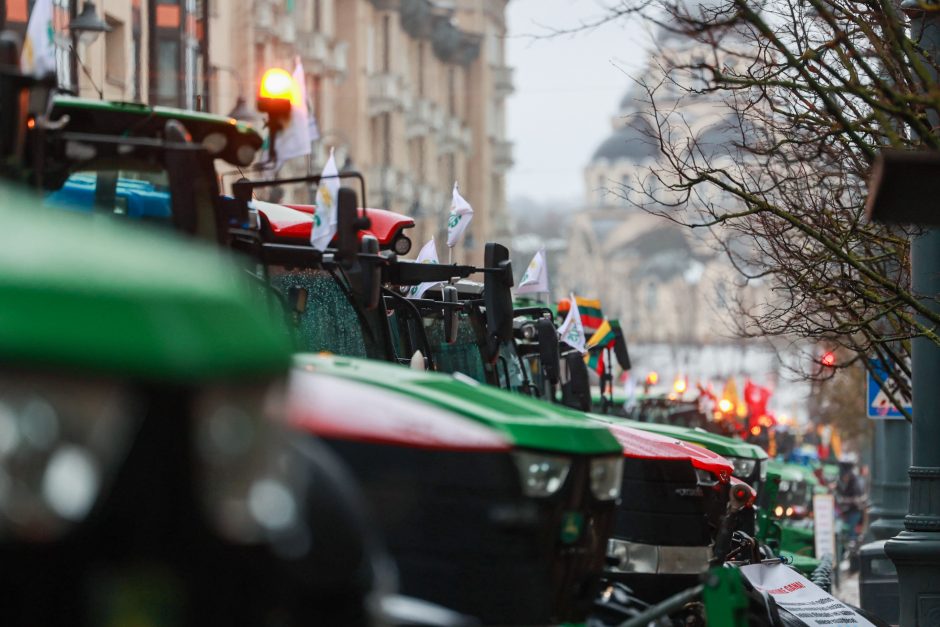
(38, 56)
(571, 331)
(460, 215)
(294, 139)
(428, 254)
(324, 219)
(535, 278)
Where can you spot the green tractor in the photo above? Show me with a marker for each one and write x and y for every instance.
(139, 433)
(151, 166)
(794, 507)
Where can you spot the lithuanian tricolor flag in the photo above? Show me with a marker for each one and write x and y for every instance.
(590, 309)
(602, 338)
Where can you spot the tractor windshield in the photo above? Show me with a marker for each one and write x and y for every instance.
(126, 193)
(461, 356)
(327, 319)
(794, 493)
(141, 190)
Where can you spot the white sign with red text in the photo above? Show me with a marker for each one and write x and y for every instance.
(801, 597)
(824, 525)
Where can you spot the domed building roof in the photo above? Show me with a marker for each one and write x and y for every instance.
(634, 141)
(634, 99)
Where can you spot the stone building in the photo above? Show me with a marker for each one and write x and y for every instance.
(409, 92)
(666, 283)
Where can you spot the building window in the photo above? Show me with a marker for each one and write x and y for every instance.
(370, 49)
(386, 43)
(115, 65)
(451, 91)
(421, 54)
(167, 83)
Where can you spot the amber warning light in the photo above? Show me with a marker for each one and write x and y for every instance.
(276, 92)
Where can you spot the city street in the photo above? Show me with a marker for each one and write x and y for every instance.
(375, 313)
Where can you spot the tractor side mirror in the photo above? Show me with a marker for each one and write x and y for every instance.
(497, 295)
(347, 226)
(297, 299)
(371, 274)
(577, 391)
(620, 349)
(451, 314)
(181, 160)
(548, 349)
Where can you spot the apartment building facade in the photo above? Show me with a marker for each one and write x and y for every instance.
(409, 92)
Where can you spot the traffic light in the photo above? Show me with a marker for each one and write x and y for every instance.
(828, 359)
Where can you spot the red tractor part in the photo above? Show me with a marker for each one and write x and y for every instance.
(292, 224)
(387, 226)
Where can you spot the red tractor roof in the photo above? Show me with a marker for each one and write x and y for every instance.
(646, 445)
(294, 222)
(344, 409)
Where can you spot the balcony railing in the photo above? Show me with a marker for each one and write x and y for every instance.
(340, 63)
(287, 29)
(502, 80)
(385, 93)
(314, 49)
(264, 18)
(502, 154)
(418, 122)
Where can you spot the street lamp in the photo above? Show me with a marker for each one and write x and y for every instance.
(87, 25)
(85, 28)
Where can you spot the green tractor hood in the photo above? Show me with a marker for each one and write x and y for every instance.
(723, 445)
(787, 472)
(144, 304)
(797, 473)
(525, 422)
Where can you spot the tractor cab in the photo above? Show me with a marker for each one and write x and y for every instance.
(154, 165)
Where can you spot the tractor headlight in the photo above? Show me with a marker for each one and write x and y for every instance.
(215, 143)
(253, 487)
(633, 557)
(636, 557)
(606, 477)
(61, 441)
(541, 475)
(743, 467)
(401, 245)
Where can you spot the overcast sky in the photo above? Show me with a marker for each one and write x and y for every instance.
(567, 89)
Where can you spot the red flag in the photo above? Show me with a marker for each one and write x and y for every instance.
(756, 397)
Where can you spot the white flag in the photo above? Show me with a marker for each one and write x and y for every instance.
(324, 218)
(535, 278)
(428, 254)
(460, 215)
(294, 139)
(38, 57)
(571, 331)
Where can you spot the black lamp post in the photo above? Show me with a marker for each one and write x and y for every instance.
(85, 28)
